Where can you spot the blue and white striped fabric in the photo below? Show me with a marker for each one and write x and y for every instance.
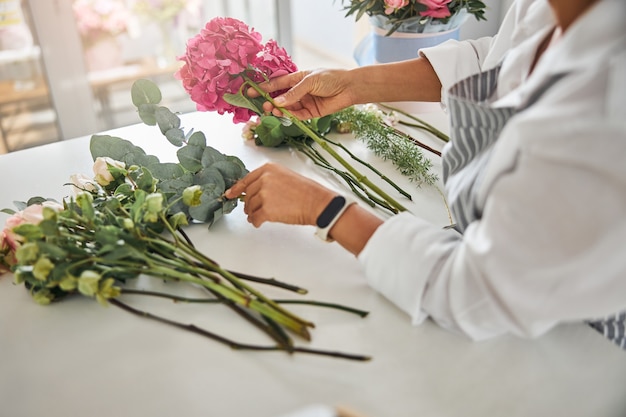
(613, 328)
(474, 128)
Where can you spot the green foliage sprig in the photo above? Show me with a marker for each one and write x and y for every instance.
(388, 143)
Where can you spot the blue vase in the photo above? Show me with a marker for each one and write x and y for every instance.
(380, 47)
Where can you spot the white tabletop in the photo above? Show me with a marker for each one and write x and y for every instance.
(76, 358)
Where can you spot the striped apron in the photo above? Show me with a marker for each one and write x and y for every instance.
(474, 128)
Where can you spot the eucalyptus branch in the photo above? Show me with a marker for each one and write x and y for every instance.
(231, 343)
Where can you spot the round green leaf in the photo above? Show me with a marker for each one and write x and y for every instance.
(145, 92)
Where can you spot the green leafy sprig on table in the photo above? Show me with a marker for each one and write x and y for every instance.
(130, 224)
(388, 143)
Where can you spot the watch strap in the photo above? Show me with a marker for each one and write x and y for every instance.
(329, 216)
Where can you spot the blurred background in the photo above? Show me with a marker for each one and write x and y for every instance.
(66, 66)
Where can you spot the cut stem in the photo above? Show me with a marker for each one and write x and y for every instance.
(231, 343)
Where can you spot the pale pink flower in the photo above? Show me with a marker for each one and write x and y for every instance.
(9, 240)
(101, 169)
(248, 129)
(392, 6)
(82, 182)
(436, 8)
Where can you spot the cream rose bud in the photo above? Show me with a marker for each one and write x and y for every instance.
(101, 169)
(82, 182)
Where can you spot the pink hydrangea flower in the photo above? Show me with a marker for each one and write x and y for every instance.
(216, 58)
(436, 8)
(392, 6)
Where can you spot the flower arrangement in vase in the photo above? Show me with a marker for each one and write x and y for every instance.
(99, 22)
(402, 27)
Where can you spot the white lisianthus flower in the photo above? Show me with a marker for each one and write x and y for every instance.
(101, 169)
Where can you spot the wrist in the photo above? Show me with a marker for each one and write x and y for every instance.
(333, 211)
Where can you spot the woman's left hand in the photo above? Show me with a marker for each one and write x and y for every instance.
(277, 194)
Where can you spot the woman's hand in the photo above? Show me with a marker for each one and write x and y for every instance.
(309, 93)
(276, 194)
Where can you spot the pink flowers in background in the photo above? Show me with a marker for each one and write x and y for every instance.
(219, 55)
(417, 16)
(392, 6)
(98, 18)
(436, 8)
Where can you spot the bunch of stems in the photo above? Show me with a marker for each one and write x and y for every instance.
(359, 183)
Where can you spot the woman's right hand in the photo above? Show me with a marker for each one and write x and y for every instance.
(309, 93)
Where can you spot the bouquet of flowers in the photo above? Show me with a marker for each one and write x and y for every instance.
(227, 57)
(99, 18)
(127, 221)
(416, 15)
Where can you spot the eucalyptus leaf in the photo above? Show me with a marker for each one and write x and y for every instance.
(231, 172)
(147, 113)
(166, 119)
(120, 150)
(145, 92)
(211, 156)
(190, 157)
(167, 171)
(210, 177)
(197, 139)
(178, 184)
(176, 137)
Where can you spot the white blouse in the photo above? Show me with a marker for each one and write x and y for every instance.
(551, 244)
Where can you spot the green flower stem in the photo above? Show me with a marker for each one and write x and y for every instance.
(430, 128)
(236, 281)
(177, 298)
(321, 142)
(232, 344)
(380, 174)
(415, 141)
(242, 299)
(239, 284)
(363, 193)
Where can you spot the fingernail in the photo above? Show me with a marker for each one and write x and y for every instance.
(279, 101)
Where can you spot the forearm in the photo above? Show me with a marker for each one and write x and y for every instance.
(354, 228)
(412, 80)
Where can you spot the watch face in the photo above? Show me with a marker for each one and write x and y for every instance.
(330, 211)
